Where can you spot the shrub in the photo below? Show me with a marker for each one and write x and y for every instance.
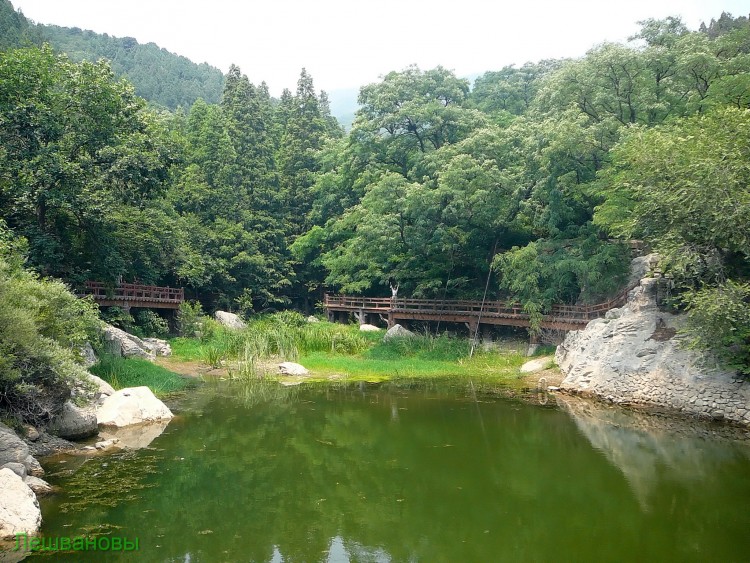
(151, 323)
(190, 318)
(42, 325)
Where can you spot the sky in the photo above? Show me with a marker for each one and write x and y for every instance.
(347, 43)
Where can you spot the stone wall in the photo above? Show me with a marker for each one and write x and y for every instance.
(632, 356)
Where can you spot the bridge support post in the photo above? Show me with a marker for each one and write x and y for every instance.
(534, 343)
(391, 319)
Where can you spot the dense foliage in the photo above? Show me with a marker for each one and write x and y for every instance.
(42, 327)
(530, 184)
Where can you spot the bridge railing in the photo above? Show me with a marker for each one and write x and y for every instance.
(502, 309)
(134, 292)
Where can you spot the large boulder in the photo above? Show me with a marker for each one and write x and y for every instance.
(229, 320)
(133, 405)
(19, 509)
(74, 423)
(397, 331)
(120, 343)
(290, 368)
(633, 355)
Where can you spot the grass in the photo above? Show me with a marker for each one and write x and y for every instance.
(329, 349)
(134, 372)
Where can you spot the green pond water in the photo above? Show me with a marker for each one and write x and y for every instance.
(423, 474)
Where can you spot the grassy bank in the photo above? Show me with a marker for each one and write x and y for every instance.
(335, 351)
(134, 372)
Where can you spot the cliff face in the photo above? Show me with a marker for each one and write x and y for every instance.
(633, 356)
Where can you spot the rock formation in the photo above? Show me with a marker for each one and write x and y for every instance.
(633, 355)
(229, 320)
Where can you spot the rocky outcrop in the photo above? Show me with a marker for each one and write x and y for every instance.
(290, 368)
(368, 328)
(120, 343)
(229, 320)
(133, 405)
(633, 355)
(74, 423)
(19, 509)
(397, 331)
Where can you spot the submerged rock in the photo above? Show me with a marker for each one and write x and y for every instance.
(19, 509)
(133, 437)
(229, 320)
(397, 331)
(290, 368)
(133, 405)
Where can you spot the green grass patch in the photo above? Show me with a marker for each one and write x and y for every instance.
(334, 349)
(135, 372)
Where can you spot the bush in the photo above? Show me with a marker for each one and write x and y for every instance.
(719, 320)
(42, 326)
(118, 317)
(190, 318)
(151, 323)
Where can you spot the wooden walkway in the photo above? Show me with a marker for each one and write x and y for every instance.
(127, 295)
(561, 317)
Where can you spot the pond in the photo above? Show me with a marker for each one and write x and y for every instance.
(359, 473)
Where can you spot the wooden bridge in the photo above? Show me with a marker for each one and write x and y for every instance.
(127, 295)
(472, 313)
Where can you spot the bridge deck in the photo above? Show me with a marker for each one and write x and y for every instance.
(561, 317)
(129, 295)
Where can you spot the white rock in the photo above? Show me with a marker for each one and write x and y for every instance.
(133, 405)
(158, 346)
(368, 328)
(397, 331)
(19, 509)
(229, 320)
(537, 364)
(290, 368)
(312, 319)
(121, 343)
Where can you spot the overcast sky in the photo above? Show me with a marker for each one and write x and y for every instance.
(347, 43)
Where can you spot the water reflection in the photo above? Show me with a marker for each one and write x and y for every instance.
(651, 450)
(399, 474)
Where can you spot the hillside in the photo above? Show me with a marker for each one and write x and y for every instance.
(159, 76)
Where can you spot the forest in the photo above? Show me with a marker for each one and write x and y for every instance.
(532, 180)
